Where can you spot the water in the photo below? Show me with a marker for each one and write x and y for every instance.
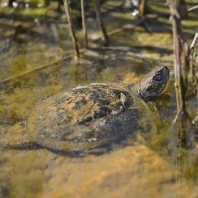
(161, 163)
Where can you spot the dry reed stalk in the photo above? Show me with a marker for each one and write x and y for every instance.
(194, 77)
(84, 24)
(194, 41)
(72, 32)
(193, 9)
(100, 21)
(179, 46)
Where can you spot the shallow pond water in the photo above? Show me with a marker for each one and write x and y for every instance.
(159, 163)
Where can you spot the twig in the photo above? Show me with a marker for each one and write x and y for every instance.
(193, 9)
(131, 48)
(194, 41)
(43, 66)
(33, 70)
(72, 32)
(125, 27)
(100, 21)
(84, 23)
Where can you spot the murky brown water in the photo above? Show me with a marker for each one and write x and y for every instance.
(161, 163)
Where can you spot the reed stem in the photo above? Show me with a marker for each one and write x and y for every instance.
(100, 21)
(71, 28)
(84, 24)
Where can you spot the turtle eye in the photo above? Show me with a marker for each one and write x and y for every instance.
(157, 77)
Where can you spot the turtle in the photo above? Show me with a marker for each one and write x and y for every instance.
(91, 118)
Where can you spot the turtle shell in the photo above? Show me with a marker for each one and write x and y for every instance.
(95, 113)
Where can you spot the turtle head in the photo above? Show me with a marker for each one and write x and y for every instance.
(153, 83)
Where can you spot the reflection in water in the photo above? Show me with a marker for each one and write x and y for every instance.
(181, 144)
(76, 72)
(100, 66)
